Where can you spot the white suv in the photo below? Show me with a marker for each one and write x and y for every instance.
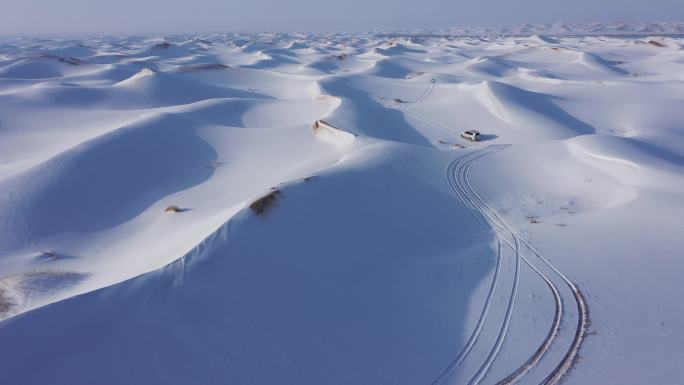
(471, 135)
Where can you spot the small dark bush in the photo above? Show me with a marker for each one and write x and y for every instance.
(261, 205)
(173, 209)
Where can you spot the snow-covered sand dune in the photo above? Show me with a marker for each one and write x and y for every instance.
(301, 209)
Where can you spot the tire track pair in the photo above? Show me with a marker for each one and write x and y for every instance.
(582, 310)
(457, 176)
(472, 340)
(470, 195)
(498, 225)
(426, 93)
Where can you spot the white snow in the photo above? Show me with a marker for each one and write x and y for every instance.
(332, 227)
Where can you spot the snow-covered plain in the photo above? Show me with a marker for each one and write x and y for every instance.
(389, 250)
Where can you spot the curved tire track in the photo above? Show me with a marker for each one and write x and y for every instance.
(469, 197)
(457, 175)
(503, 329)
(582, 309)
(426, 93)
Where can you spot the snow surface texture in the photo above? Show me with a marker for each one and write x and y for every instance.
(300, 209)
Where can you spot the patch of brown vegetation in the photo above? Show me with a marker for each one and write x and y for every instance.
(656, 43)
(317, 125)
(173, 209)
(261, 205)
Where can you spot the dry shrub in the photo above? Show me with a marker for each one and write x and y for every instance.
(656, 43)
(173, 209)
(261, 205)
(397, 100)
(317, 125)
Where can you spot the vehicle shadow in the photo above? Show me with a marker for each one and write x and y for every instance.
(486, 137)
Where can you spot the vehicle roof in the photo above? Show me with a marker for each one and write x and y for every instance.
(472, 132)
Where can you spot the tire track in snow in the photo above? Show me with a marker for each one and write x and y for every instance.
(495, 220)
(480, 322)
(457, 176)
(426, 93)
(582, 310)
(570, 357)
(451, 173)
(470, 343)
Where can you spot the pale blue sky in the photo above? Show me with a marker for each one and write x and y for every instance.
(130, 16)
